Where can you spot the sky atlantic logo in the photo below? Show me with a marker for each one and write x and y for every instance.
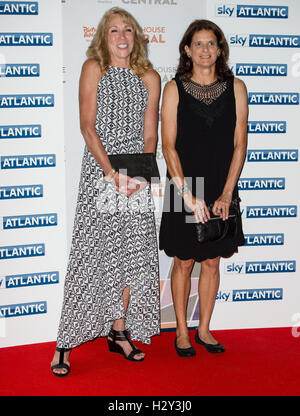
(272, 211)
(21, 191)
(263, 41)
(263, 184)
(252, 11)
(246, 295)
(23, 309)
(261, 70)
(261, 267)
(19, 70)
(270, 239)
(23, 250)
(27, 161)
(267, 127)
(29, 221)
(21, 131)
(26, 39)
(26, 100)
(29, 279)
(272, 155)
(273, 98)
(19, 8)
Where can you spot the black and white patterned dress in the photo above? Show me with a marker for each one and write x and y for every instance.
(114, 242)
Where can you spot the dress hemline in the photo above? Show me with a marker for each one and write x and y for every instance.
(174, 253)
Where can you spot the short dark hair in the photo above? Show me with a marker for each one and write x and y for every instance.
(185, 65)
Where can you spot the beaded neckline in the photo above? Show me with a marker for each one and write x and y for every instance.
(204, 93)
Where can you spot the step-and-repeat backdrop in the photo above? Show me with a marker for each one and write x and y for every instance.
(33, 249)
(41, 151)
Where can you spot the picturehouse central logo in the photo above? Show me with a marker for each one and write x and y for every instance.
(155, 34)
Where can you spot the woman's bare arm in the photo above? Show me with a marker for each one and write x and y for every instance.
(89, 79)
(240, 147)
(169, 132)
(152, 81)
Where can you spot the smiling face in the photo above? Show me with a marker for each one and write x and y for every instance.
(204, 50)
(120, 41)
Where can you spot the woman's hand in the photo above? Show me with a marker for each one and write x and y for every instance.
(198, 207)
(221, 205)
(127, 185)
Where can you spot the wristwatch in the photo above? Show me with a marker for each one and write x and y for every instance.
(182, 190)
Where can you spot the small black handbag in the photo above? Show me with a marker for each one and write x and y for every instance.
(141, 165)
(215, 229)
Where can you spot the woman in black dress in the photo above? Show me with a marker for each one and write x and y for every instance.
(204, 135)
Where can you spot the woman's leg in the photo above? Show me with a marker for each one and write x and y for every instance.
(180, 286)
(55, 361)
(208, 287)
(119, 325)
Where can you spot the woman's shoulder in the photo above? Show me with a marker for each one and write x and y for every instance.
(91, 66)
(238, 84)
(151, 76)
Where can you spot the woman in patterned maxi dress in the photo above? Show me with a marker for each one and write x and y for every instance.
(112, 282)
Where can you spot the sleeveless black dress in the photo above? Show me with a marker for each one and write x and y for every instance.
(206, 119)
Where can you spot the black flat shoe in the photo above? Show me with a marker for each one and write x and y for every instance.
(184, 352)
(213, 348)
(114, 347)
(61, 363)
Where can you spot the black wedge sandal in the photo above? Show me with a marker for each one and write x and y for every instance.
(61, 363)
(114, 347)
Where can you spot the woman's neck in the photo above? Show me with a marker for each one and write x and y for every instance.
(204, 77)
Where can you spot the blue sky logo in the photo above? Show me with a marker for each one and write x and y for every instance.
(272, 155)
(20, 251)
(223, 296)
(19, 70)
(26, 39)
(27, 161)
(19, 7)
(21, 191)
(237, 39)
(23, 309)
(276, 239)
(31, 279)
(26, 100)
(255, 184)
(267, 127)
(272, 211)
(22, 131)
(27, 221)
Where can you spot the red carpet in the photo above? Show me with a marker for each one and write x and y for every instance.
(257, 362)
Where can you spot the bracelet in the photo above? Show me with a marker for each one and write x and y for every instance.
(110, 175)
(182, 190)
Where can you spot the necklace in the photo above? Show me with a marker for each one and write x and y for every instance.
(204, 93)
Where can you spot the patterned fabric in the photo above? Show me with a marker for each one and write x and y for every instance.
(114, 242)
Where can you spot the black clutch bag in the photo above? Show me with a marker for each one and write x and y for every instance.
(141, 165)
(215, 229)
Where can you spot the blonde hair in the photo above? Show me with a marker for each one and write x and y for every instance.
(98, 48)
